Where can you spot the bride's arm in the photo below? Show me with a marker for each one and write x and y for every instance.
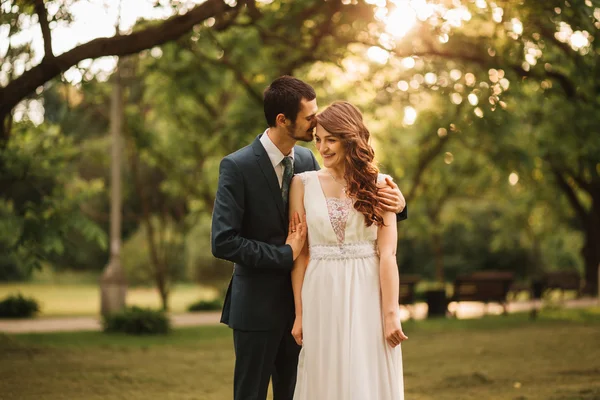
(387, 239)
(296, 200)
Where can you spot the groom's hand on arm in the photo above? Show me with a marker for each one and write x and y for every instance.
(296, 234)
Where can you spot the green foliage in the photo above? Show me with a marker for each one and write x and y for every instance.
(11, 270)
(135, 260)
(201, 266)
(41, 197)
(135, 257)
(138, 321)
(18, 306)
(206, 305)
(491, 103)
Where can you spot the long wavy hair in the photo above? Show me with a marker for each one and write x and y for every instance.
(345, 122)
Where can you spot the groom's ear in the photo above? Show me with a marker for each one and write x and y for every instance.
(281, 119)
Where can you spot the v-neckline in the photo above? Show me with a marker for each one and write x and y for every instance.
(325, 198)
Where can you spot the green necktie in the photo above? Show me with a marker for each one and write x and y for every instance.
(288, 173)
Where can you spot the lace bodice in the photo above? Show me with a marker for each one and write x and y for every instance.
(334, 226)
(338, 210)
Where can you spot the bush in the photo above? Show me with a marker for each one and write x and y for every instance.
(17, 306)
(206, 305)
(138, 321)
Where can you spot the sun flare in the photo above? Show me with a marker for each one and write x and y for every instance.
(401, 20)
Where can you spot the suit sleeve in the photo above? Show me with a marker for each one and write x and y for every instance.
(403, 215)
(228, 214)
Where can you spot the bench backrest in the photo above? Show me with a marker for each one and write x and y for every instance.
(567, 280)
(483, 286)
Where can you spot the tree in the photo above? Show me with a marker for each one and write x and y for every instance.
(18, 88)
(553, 49)
(537, 61)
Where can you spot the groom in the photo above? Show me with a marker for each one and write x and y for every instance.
(250, 229)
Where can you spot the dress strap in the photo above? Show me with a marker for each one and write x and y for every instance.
(304, 177)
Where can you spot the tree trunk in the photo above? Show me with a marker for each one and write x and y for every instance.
(591, 250)
(113, 284)
(159, 270)
(3, 129)
(161, 283)
(590, 222)
(158, 259)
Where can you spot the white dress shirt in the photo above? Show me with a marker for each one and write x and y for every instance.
(275, 155)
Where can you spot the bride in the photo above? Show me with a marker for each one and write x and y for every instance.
(346, 280)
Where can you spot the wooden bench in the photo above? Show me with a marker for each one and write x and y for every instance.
(407, 296)
(561, 280)
(483, 286)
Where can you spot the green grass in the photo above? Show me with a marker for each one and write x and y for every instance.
(556, 357)
(77, 299)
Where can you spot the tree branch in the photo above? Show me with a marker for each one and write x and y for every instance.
(570, 193)
(120, 45)
(581, 182)
(424, 161)
(563, 80)
(322, 31)
(431, 51)
(426, 157)
(256, 95)
(40, 9)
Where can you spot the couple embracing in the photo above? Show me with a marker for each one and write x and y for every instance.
(313, 300)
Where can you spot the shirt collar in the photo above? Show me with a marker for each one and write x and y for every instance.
(275, 155)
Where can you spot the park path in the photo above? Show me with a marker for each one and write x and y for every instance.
(463, 310)
(71, 324)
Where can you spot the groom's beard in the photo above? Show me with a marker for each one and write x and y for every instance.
(304, 136)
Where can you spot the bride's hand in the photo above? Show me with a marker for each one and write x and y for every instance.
(297, 330)
(297, 234)
(393, 330)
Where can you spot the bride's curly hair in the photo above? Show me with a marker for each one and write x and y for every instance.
(345, 122)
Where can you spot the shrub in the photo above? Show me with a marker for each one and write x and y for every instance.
(17, 306)
(206, 305)
(138, 321)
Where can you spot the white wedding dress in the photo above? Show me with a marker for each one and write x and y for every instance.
(344, 354)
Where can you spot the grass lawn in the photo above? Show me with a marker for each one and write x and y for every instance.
(556, 357)
(84, 298)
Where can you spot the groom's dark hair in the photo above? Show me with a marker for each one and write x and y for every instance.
(283, 96)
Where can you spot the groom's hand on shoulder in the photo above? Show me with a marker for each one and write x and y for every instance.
(390, 196)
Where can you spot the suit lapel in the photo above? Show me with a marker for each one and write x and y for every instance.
(269, 173)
